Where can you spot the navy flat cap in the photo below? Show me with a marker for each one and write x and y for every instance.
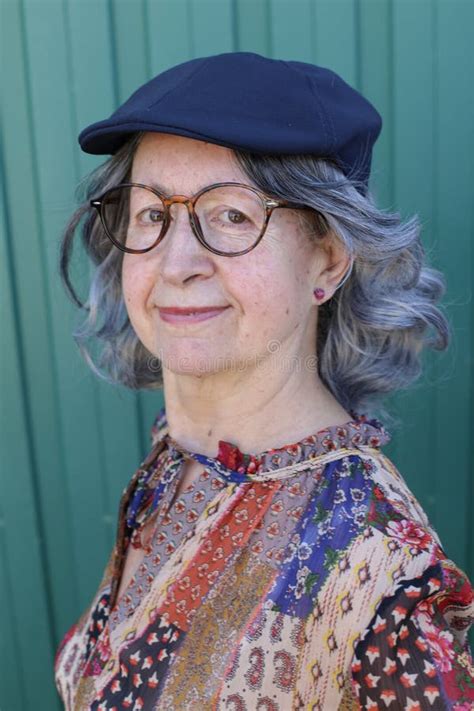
(243, 100)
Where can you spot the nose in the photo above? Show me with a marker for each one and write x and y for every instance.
(183, 257)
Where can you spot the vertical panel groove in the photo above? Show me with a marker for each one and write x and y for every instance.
(70, 74)
(29, 424)
(189, 27)
(146, 37)
(17, 336)
(358, 50)
(234, 26)
(113, 52)
(13, 645)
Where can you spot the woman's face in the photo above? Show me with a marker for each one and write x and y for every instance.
(267, 292)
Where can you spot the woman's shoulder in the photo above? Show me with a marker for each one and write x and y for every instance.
(411, 549)
(394, 505)
(415, 648)
(396, 542)
(410, 627)
(414, 651)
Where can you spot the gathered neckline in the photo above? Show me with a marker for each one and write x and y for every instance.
(236, 465)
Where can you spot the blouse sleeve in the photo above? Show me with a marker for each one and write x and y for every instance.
(415, 654)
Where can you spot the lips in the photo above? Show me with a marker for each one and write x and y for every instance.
(191, 310)
(175, 315)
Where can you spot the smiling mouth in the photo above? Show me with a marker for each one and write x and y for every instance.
(175, 315)
(189, 310)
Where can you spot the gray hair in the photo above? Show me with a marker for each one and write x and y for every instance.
(370, 333)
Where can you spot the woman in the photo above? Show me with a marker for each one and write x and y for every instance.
(268, 554)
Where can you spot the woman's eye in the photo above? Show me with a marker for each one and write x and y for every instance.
(235, 217)
(151, 216)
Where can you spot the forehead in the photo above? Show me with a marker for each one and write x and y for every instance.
(176, 163)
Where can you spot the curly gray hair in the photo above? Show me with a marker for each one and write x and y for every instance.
(370, 333)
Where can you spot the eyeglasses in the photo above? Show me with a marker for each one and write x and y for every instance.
(228, 219)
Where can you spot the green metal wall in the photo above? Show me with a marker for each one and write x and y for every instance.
(69, 443)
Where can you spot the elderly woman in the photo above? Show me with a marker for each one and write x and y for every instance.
(268, 554)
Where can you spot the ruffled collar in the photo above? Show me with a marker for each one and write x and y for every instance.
(237, 466)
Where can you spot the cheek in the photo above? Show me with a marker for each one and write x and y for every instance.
(134, 287)
(281, 275)
(126, 273)
(127, 286)
(271, 298)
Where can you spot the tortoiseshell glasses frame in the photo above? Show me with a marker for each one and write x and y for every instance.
(268, 204)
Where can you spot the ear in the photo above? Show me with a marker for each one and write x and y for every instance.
(331, 265)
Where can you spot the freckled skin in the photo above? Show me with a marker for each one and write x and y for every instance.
(263, 272)
(227, 367)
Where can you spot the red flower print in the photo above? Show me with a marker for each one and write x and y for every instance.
(441, 645)
(277, 507)
(439, 641)
(191, 516)
(295, 489)
(177, 527)
(296, 513)
(241, 516)
(329, 444)
(273, 529)
(160, 537)
(409, 532)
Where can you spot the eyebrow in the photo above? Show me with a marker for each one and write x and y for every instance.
(155, 186)
(162, 189)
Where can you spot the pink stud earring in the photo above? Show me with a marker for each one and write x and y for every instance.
(319, 293)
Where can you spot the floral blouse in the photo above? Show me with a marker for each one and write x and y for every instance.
(305, 577)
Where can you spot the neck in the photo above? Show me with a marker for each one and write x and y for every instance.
(255, 409)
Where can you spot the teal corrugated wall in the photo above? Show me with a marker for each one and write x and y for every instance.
(69, 443)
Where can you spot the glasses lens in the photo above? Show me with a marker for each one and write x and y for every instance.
(133, 216)
(231, 218)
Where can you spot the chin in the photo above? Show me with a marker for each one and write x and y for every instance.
(186, 361)
(197, 370)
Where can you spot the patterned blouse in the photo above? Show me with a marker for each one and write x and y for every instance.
(305, 577)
